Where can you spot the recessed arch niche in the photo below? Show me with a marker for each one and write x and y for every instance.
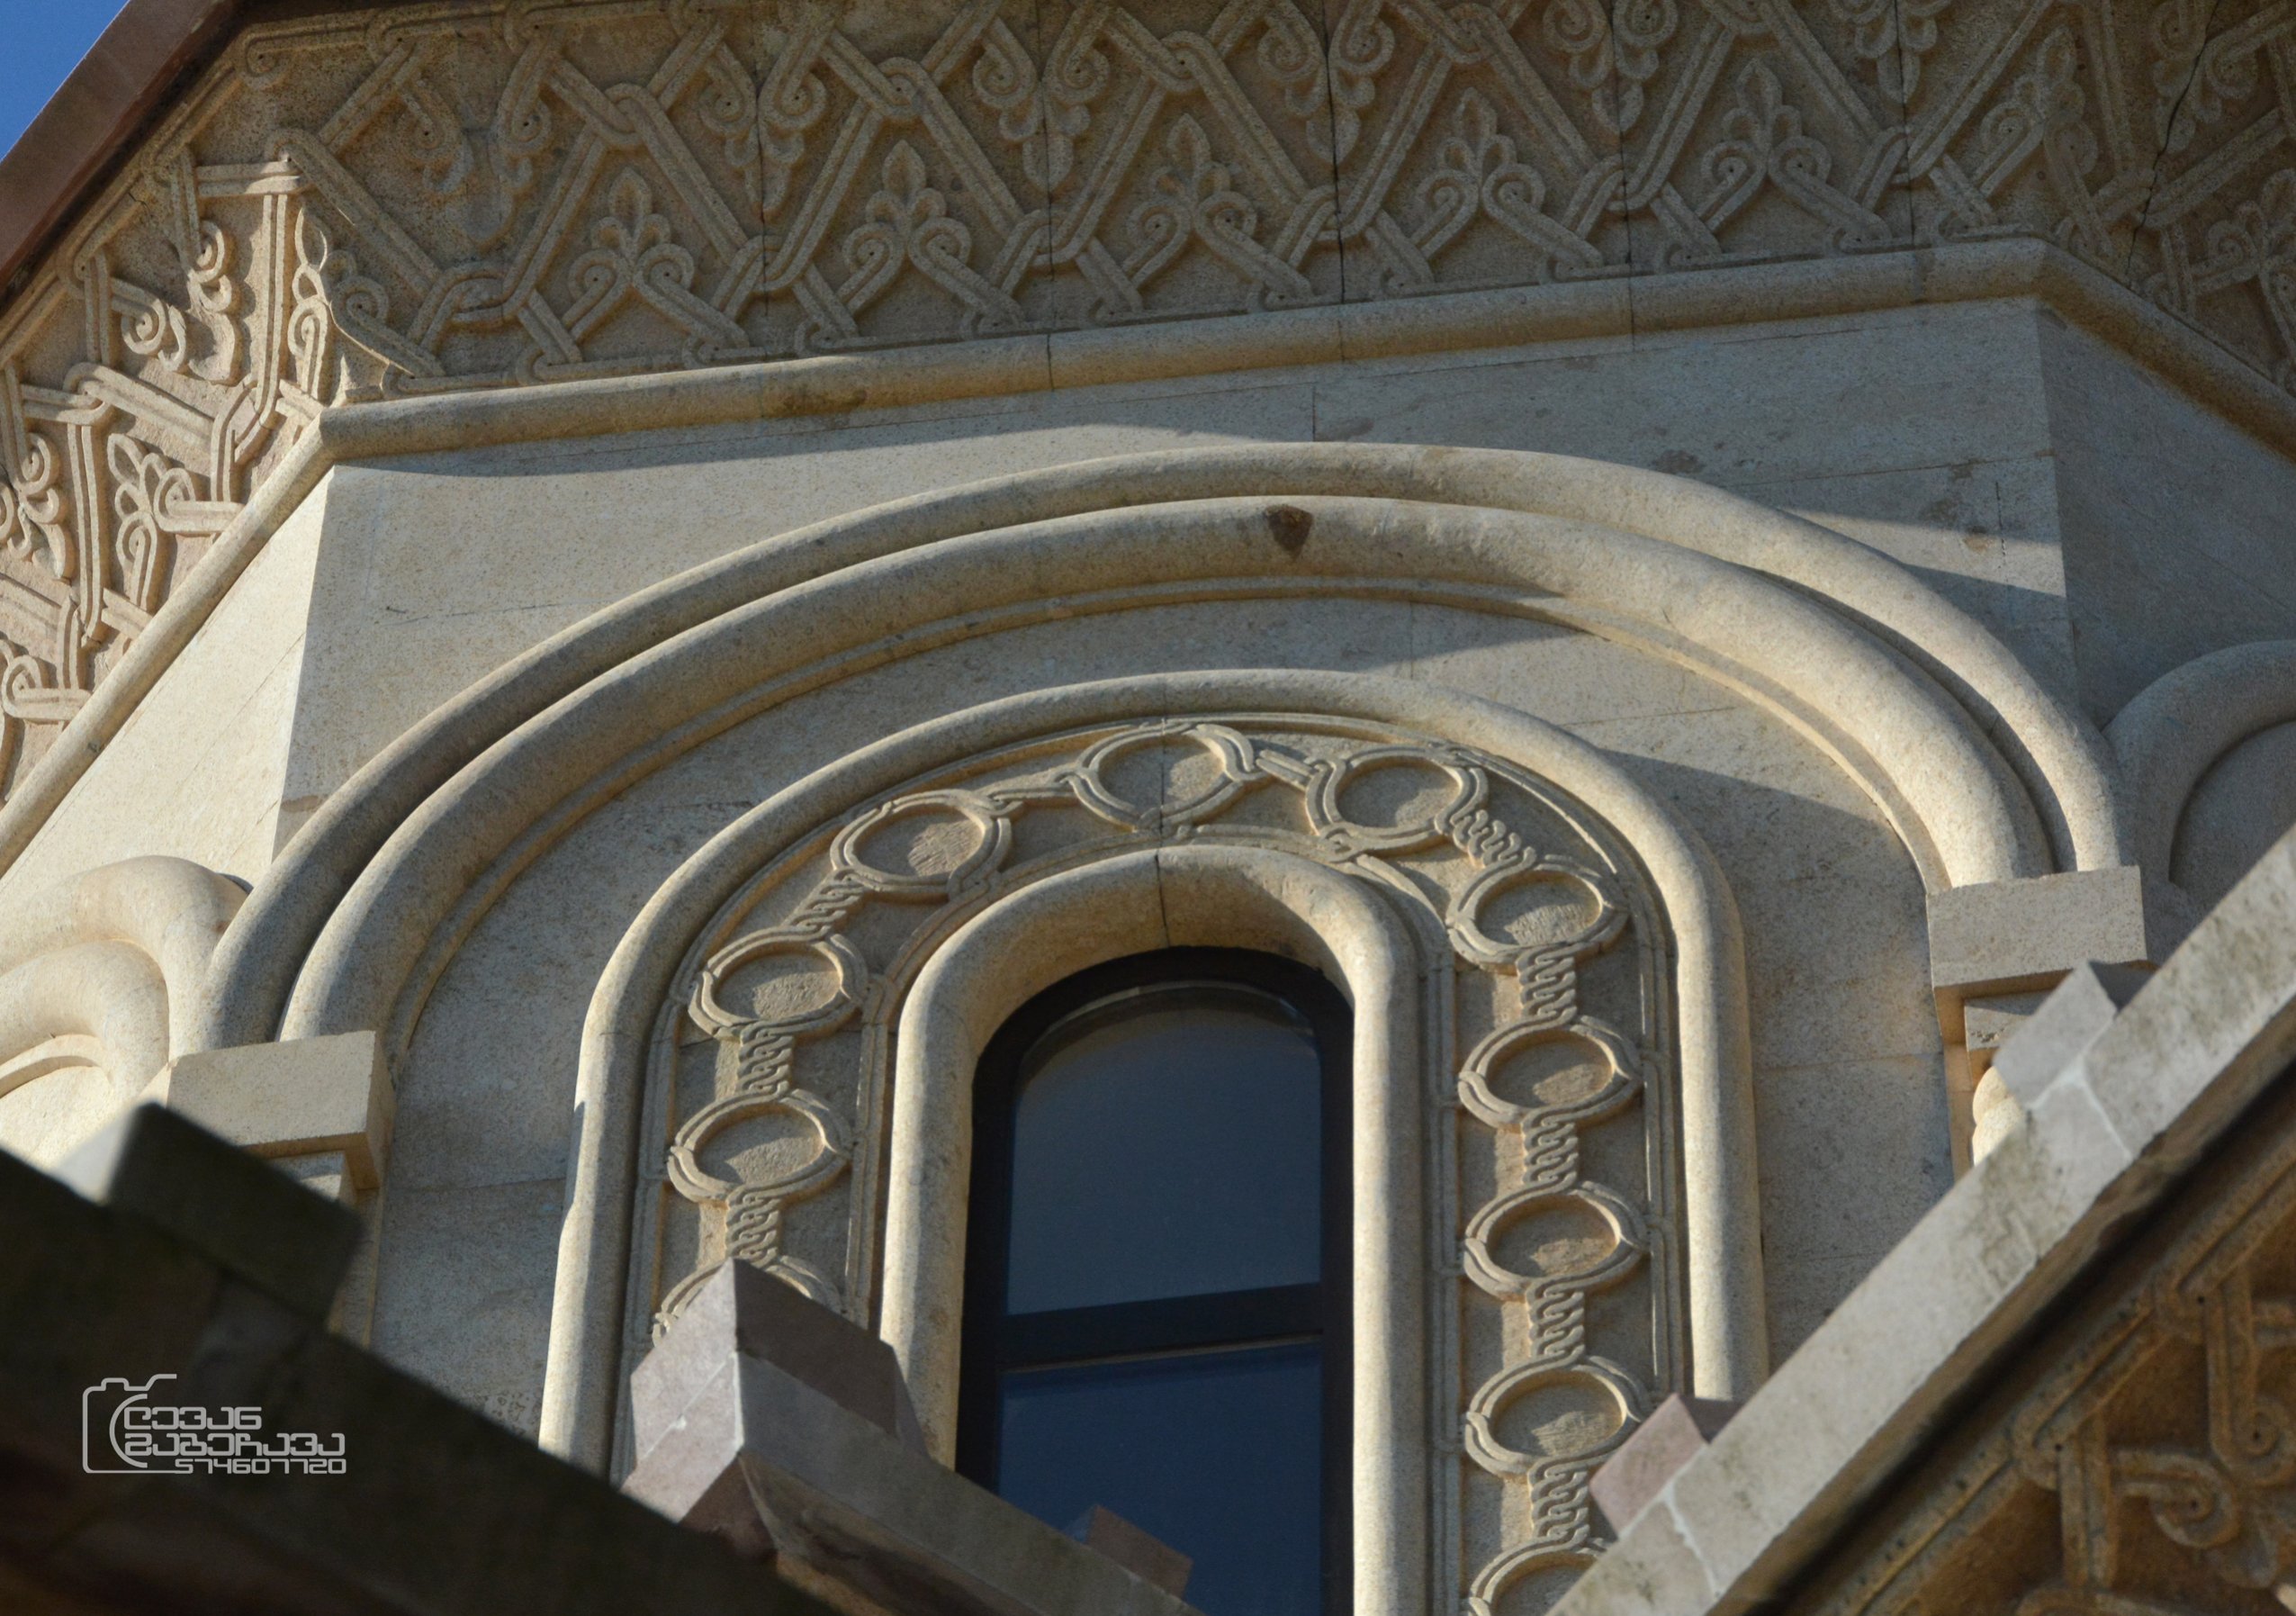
(1554, 1157)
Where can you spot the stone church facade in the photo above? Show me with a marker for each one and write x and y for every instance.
(594, 595)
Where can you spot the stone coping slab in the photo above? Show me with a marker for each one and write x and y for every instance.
(835, 1477)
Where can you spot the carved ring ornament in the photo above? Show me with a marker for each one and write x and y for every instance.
(432, 197)
(1561, 1316)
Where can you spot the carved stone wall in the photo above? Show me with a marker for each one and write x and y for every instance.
(434, 197)
(2143, 1461)
(1558, 1316)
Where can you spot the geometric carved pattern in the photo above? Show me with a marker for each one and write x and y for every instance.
(2149, 1466)
(437, 197)
(1557, 1321)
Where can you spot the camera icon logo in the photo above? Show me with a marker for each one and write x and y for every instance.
(114, 1420)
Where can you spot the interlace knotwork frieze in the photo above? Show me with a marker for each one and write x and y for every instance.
(2150, 1468)
(501, 192)
(1559, 1318)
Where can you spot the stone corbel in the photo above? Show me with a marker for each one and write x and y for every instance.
(1998, 948)
(321, 1108)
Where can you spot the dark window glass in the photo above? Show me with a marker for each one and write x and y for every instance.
(1167, 1144)
(1157, 1302)
(1219, 1452)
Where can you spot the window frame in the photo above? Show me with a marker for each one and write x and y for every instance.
(993, 1343)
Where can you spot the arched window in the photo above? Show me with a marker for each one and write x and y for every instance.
(1157, 1286)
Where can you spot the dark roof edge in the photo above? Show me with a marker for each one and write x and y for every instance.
(88, 123)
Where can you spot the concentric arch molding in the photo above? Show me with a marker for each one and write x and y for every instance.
(1985, 774)
(426, 202)
(1551, 1059)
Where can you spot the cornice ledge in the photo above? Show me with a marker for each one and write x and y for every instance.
(1631, 307)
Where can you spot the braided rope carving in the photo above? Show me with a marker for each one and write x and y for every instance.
(944, 846)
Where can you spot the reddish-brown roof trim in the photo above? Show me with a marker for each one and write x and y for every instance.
(88, 123)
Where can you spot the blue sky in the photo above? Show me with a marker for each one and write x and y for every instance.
(41, 42)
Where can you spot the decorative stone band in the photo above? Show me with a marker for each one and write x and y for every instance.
(335, 211)
(430, 201)
(1432, 856)
(1499, 864)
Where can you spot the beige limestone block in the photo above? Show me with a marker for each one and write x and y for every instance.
(1782, 811)
(1833, 956)
(1561, 674)
(1993, 1020)
(400, 622)
(2017, 935)
(2174, 521)
(325, 1173)
(306, 1096)
(462, 1296)
(1915, 388)
(1982, 533)
(1844, 1028)
(1854, 1153)
(1675, 1432)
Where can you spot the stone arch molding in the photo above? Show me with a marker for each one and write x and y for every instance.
(1985, 772)
(1553, 1166)
(2205, 752)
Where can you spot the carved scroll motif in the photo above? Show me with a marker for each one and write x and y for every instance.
(494, 194)
(1564, 1312)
